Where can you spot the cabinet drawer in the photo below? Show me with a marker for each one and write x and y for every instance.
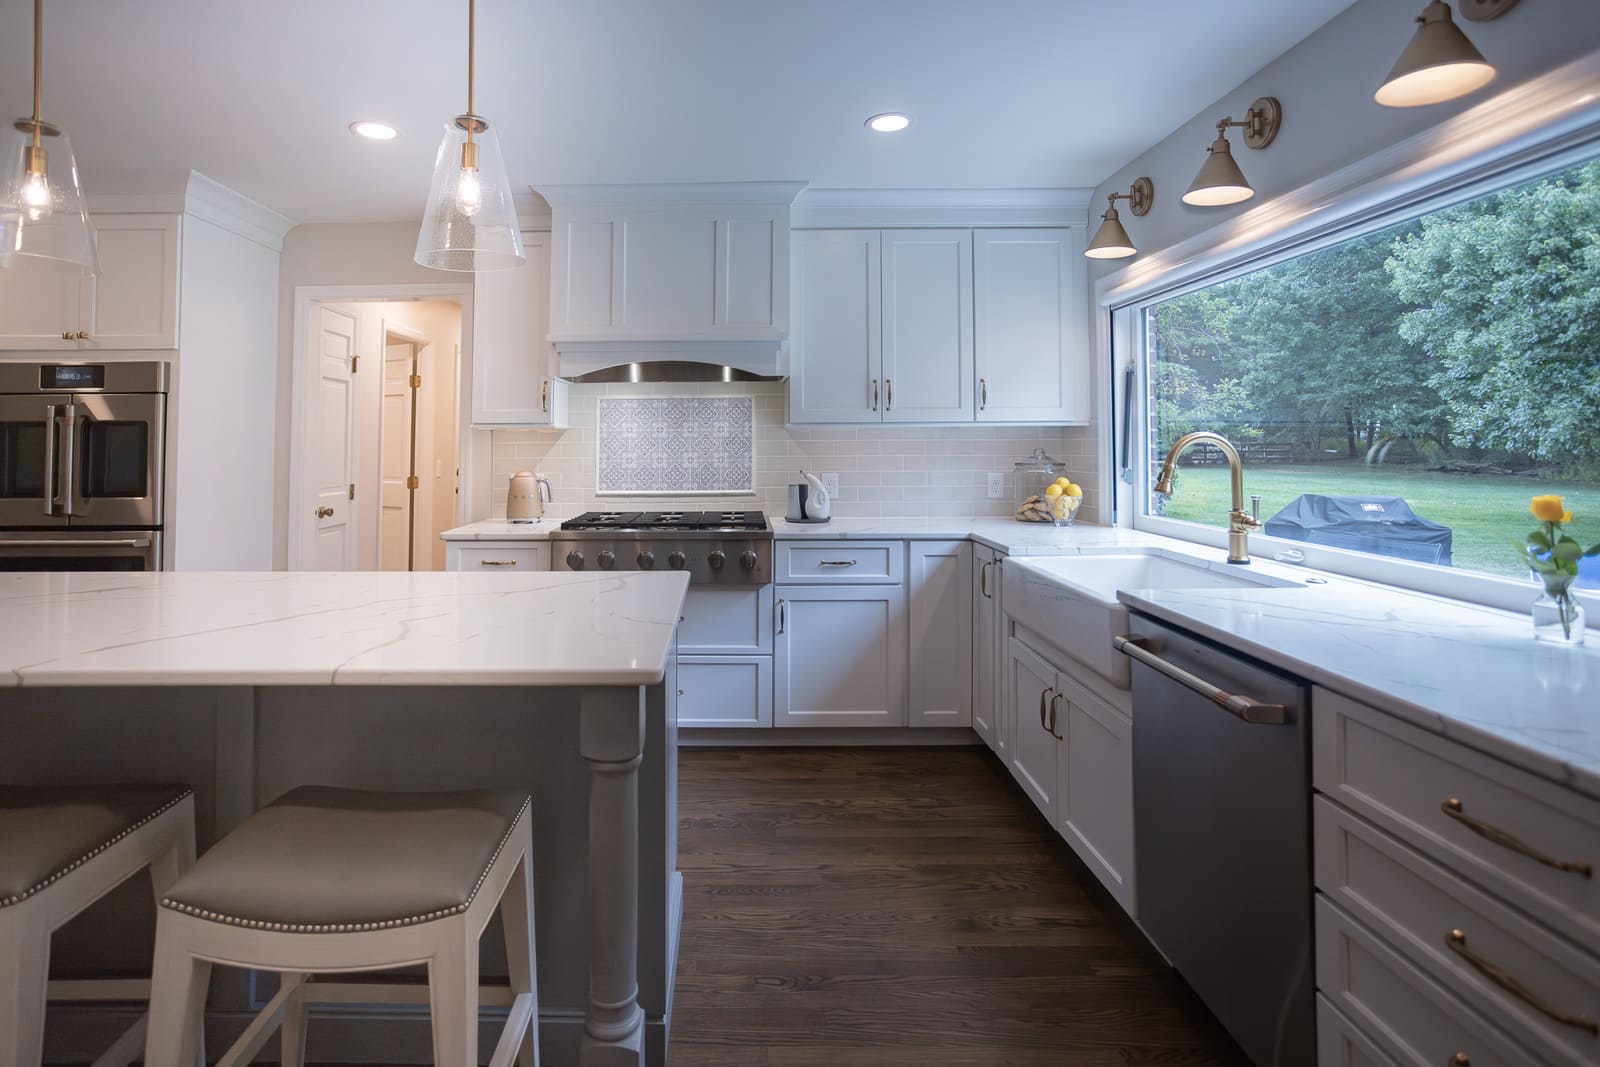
(1415, 905)
(1412, 1018)
(725, 691)
(495, 557)
(1403, 779)
(842, 562)
(1340, 1044)
(726, 622)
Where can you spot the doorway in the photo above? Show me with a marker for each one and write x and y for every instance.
(376, 460)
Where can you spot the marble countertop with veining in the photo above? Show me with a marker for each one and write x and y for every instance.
(330, 628)
(1469, 673)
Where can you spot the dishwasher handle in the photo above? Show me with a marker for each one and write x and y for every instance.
(1250, 711)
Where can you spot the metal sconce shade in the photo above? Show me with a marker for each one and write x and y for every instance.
(1220, 180)
(1439, 64)
(465, 228)
(1111, 240)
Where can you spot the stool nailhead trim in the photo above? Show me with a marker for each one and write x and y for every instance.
(350, 928)
(92, 853)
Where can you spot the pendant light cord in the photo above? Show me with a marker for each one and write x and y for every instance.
(472, 34)
(38, 54)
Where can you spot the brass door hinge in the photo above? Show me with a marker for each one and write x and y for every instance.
(413, 482)
(352, 490)
(416, 381)
(354, 360)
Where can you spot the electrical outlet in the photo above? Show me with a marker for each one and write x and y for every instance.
(997, 485)
(830, 482)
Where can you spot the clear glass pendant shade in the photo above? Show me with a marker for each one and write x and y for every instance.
(42, 210)
(470, 223)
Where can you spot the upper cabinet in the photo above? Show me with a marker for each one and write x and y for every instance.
(939, 326)
(1032, 340)
(513, 363)
(131, 305)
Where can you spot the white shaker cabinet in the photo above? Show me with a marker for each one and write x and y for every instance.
(1030, 683)
(836, 341)
(1031, 337)
(986, 622)
(927, 326)
(130, 305)
(940, 621)
(513, 362)
(840, 656)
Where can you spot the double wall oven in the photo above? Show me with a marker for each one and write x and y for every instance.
(82, 447)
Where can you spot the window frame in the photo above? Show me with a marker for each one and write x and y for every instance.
(1536, 129)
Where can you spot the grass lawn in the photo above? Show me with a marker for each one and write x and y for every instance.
(1484, 513)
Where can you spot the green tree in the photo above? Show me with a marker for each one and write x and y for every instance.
(1505, 300)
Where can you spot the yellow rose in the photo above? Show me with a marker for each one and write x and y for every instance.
(1548, 509)
(1566, 516)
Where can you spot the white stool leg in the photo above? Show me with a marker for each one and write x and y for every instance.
(293, 1035)
(178, 986)
(453, 996)
(516, 916)
(24, 976)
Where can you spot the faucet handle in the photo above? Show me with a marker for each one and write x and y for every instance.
(1255, 508)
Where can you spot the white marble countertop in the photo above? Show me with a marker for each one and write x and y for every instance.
(329, 628)
(1472, 674)
(501, 530)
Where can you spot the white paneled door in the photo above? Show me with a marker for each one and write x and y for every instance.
(836, 327)
(324, 521)
(396, 458)
(840, 656)
(927, 325)
(1029, 326)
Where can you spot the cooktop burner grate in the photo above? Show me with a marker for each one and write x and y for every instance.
(754, 521)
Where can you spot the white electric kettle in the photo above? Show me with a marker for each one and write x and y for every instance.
(527, 497)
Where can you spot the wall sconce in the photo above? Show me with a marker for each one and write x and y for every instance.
(1220, 180)
(1111, 241)
(1440, 63)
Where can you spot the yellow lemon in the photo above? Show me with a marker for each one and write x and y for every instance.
(1073, 490)
(1053, 491)
(1063, 482)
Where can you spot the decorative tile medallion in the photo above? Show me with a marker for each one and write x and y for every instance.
(675, 444)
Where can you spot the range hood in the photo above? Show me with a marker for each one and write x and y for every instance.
(670, 283)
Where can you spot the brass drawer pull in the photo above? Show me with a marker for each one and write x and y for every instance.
(837, 563)
(1453, 808)
(1456, 940)
(497, 563)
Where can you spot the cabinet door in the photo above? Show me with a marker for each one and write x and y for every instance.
(490, 557)
(736, 621)
(927, 326)
(133, 302)
(1095, 779)
(835, 360)
(512, 360)
(940, 620)
(983, 625)
(840, 656)
(725, 691)
(38, 304)
(1031, 340)
(999, 638)
(1031, 683)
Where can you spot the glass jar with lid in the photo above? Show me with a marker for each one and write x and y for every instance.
(1044, 492)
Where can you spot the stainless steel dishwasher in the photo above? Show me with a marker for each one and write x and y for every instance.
(1221, 803)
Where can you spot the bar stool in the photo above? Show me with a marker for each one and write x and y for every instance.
(328, 881)
(62, 849)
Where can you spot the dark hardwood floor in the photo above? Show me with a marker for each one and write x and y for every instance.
(900, 907)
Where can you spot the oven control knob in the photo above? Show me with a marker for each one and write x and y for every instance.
(716, 557)
(647, 559)
(575, 560)
(747, 559)
(676, 561)
(606, 559)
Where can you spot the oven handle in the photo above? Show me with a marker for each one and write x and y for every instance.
(1240, 706)
(49, 459)
(69, 434)
(61, 542)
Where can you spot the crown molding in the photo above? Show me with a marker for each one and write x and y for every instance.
(874, 208)
(210, 200)
(671, 193)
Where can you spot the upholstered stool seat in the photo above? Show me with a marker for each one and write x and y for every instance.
(61, 849)
(338, 880)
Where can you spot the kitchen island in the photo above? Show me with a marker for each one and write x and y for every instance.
(247, 685)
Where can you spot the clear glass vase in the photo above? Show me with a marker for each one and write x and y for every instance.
(1558, 619)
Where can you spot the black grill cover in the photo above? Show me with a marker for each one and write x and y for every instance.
(1381, 525)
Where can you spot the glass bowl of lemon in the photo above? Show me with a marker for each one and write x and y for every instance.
(1044, 492)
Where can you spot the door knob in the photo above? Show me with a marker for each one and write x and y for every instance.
(324, 513)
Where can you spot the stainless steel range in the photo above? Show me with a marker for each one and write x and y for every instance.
(714, 547)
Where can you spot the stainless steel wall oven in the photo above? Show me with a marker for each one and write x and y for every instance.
(82, 451)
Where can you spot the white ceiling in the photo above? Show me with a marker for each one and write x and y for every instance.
(1003, 93)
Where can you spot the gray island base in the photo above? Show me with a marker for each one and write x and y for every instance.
(245, 686)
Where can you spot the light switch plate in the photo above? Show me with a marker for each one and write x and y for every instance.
(830, 482)
(997, 485)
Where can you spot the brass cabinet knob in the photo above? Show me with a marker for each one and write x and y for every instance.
(83, 335)
(1460, 1060)
(68, 335)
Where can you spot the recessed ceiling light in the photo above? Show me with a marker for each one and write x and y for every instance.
(888, 122)
(375, 131)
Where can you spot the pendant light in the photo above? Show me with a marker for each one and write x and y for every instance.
(42, 209)
(470, 223)
(1220, 180)
(1111, 240)
(1440, 63)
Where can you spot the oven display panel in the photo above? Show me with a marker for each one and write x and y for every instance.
(72, 376)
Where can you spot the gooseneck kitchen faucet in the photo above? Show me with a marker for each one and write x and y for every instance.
(1239, 524)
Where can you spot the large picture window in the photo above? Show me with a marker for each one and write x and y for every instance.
(1436, 373)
